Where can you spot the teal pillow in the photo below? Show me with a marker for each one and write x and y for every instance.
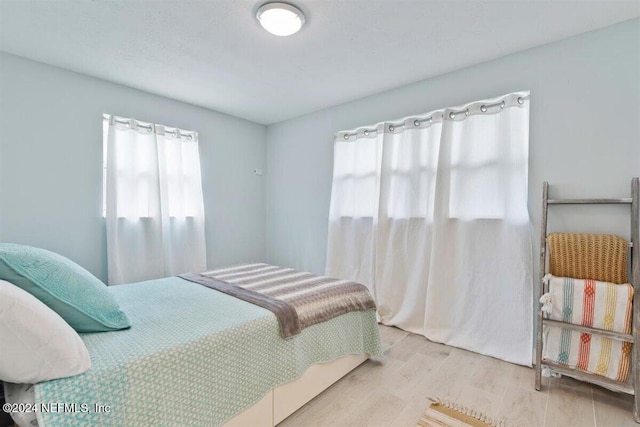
(68, 289)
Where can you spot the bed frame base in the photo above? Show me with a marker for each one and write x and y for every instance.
(285, 399)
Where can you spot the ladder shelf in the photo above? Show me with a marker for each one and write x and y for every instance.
(633, 385)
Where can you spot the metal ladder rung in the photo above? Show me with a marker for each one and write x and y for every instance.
(594, 331)
(589, 377)
(624, 201)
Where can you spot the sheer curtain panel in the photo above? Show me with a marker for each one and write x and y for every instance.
(431, 214)
(153, 201)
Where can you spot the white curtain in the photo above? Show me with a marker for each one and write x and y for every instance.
(432, 216)
(153, 201)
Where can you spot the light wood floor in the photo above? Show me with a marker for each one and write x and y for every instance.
(393, 392)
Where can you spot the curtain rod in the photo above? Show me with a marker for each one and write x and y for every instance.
(452, 115)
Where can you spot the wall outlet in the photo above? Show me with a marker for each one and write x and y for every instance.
(258, 172)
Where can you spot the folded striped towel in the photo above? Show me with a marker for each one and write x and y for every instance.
(594, 304)
(591, 303)
(607, 357)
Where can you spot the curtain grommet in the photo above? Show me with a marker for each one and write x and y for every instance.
(520, 100)
(416, 123)
(502, 104)
(483, 108)
(366, 133)
(391, 128)
(346, 136)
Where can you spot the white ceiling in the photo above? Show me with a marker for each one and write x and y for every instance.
(214, 53)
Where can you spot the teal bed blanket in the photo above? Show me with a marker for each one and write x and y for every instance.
(193, 356)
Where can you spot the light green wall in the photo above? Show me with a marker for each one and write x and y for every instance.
(51, 164)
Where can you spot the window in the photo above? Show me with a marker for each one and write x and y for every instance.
(151, 162)
(486, 171)
(355, 178)
(476, 161)
(397, 169)
(408, 181)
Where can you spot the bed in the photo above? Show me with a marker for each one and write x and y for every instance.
(196, 356)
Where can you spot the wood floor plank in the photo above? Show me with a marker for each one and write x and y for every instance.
(480, 400)
(436, 350)
(418, 369)
(406, 347)
(390, 336)
(568, 382)
(363, 380)
(524, 377)
(612, 408)
(523, 407)
(379, 410)
(569, 407)
(323, 411)
(412, 412)
(612, 411)
(492, 376)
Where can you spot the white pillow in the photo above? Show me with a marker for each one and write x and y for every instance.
(36, 344)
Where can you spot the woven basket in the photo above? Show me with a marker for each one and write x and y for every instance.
(601, 257)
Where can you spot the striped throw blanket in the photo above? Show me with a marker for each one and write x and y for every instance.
(298, 299)
(595, 304)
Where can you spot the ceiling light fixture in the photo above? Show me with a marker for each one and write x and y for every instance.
(281, 19)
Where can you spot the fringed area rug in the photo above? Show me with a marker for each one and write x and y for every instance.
(442, 413)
